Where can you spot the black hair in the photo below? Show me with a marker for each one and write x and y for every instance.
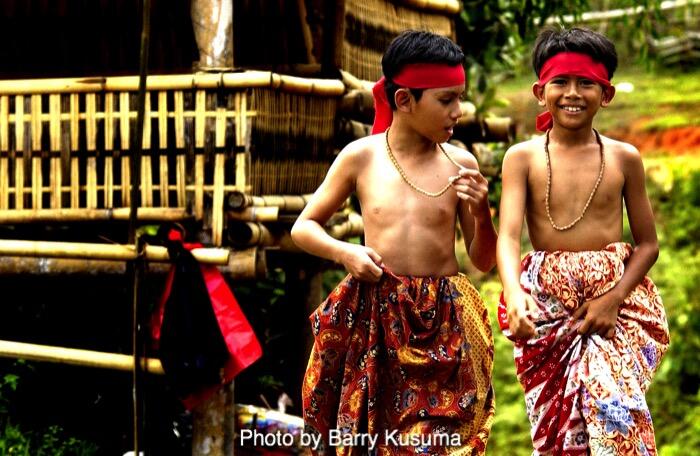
(414, 46)
(552, 41)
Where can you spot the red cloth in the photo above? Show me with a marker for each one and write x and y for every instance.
(573, 64)
(585, 395)
(413, 76)
(407, 354)
(243, 345)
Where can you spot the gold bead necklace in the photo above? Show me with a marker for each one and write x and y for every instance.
(549, 183)
(411, 184)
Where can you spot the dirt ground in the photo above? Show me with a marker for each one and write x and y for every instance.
(676, 141)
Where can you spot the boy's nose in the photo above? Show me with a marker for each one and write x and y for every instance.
(457, 112)
(571, 89)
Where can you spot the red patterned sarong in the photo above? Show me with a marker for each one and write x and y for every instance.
(407, 354)
(585, 394)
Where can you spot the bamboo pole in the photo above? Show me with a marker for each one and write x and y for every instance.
(250, 233)
(238, 201)
(238, 80)
(242, 264)
(333, 33)
(357, 104)
(306, 32)
(597, 16)
(491, 129)
(15, 265)
(246, 234)
(351, 227)
(77, 357)
(250, 263)
(353, 82)
(255, 214)
(10, 216)
(447, 7)
(102, 251)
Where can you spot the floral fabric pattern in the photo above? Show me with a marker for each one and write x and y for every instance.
(407, 354)
(585, 394)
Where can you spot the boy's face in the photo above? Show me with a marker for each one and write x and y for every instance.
(436, 113)
(573, 101)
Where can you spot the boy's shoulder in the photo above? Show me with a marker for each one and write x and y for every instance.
(461, 156)
(364, 146)
(358, 152)
(620, 148)
(534, 144)
(625, 157)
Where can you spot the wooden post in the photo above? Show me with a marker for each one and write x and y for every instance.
(334, 30)
(213, 425)
(303, 286)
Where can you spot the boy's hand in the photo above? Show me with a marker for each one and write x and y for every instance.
(472, 187)
(521, 307)
(599, 316)
(362, 262)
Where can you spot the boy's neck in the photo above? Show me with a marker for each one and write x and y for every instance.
(572, 138)
(404, 139)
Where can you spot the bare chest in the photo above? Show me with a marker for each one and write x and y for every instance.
(570, 186)
(387, 198)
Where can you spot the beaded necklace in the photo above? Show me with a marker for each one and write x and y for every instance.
(549, 183)
(411, 184)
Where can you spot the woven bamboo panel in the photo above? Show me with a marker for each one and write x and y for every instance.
(292, 142)
(370, 25)
(70, 150)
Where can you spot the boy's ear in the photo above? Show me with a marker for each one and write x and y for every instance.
(538, 92)
(402, 98)
(608, 94)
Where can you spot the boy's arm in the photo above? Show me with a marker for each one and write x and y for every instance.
(601, 313)
(308, 233)
(475, 214)
(511, 216)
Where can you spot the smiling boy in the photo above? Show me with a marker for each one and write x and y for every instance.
(589, 327)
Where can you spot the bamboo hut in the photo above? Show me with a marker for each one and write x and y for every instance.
(242, 118)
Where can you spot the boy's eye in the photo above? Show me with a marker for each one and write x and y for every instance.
(586, 82)
(558, 81)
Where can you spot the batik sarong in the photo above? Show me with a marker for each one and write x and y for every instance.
(585, 394)
(407, 360)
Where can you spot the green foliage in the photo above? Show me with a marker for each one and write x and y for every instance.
(510, 433)
(674, 397)
(15, 440)
(497, 35)
(50, 442)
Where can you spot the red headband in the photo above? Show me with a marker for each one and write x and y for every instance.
(573, 64)
(413, 76)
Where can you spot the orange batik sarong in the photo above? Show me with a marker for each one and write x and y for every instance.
(585, 395)
(406, 361)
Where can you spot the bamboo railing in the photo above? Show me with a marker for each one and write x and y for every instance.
(115, 252)
(76, 357)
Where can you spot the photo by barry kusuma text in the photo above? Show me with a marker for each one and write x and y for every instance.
(337, 438)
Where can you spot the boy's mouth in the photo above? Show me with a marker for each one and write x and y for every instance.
(572, 108)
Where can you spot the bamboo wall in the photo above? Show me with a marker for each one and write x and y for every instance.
(65, 143)
(370, 25)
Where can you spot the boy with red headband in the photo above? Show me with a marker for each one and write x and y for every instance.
(403, 351)
(588, 326)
